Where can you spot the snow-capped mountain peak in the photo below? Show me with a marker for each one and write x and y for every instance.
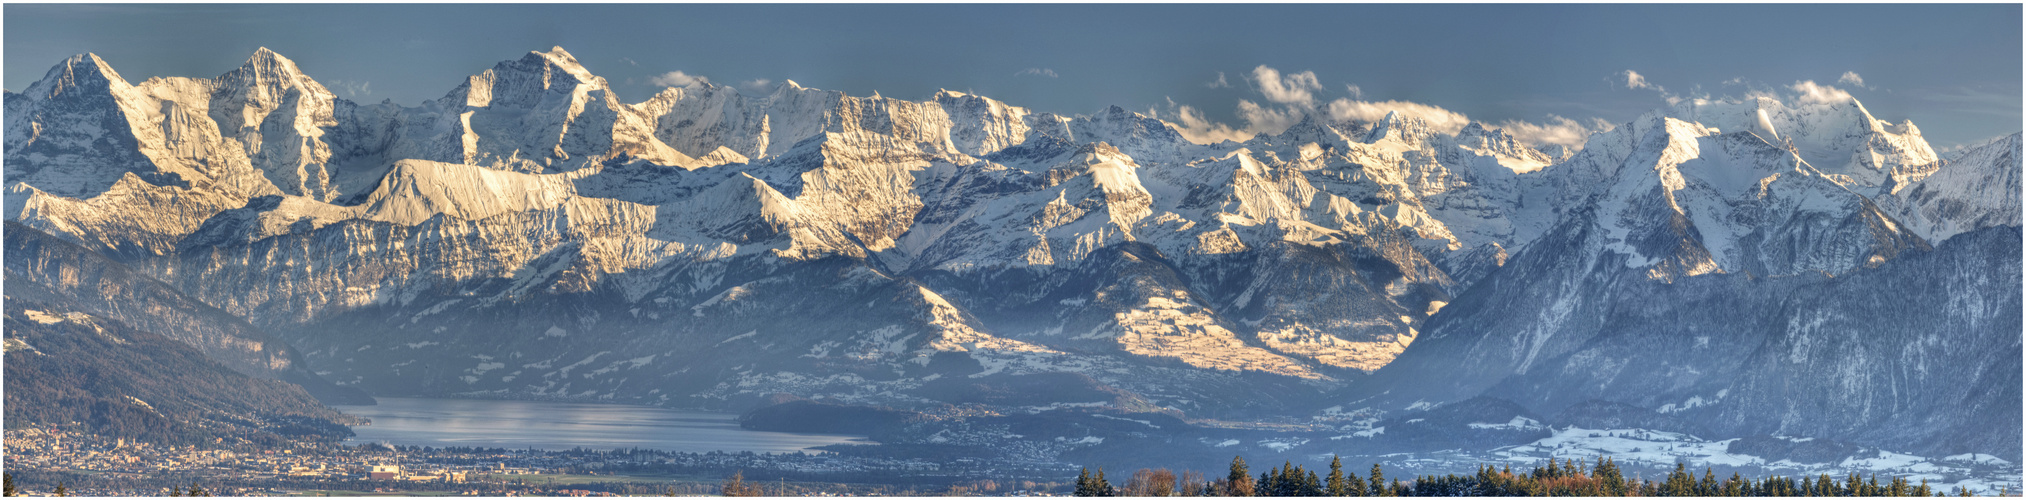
(1838, 138)
(80, 73)
(927, 232)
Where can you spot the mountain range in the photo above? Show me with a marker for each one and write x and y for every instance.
(1759, 266)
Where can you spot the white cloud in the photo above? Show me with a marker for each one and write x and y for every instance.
(351, 89)
(1557, 130)
(1443, 120)
(629, 61)
(1288, 99)
(1735, 81)
(1194, 127)
(1811, 93)
(1634, 80)
(757, 84)
(1297, 89)
(1221, 83)
(1036, 72)
(1263, 120)
(677, 79)
(1851, 78)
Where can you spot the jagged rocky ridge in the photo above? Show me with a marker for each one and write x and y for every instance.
(532, 235)
(1793, 305)
(58, 273)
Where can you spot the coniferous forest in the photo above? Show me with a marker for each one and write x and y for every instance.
(1568, 478)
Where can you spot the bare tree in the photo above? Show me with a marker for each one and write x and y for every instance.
(1193, 485)
(1151, 483)
(736, 486)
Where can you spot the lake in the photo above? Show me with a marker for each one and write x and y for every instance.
(563, 426)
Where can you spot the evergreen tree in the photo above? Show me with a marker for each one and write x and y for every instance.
(1083, 484)
(1599, 477)
(1334, 483)
(1680, 483)
(1101, 487)
(8, 488)
(197, 492)
(62, 490)
(1239, 484)
(1275, 484)
(1609, 478)
(1290, 479)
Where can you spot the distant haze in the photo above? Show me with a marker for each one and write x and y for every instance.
(1562, 69)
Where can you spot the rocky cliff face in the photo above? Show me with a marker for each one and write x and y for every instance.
(1706, 280)
(531, 234)
(60, 274)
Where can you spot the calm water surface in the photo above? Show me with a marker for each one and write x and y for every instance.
(562, 426)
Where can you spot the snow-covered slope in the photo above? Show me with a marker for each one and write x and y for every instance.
(531, 233)
(1687, 268)
(1977, 189)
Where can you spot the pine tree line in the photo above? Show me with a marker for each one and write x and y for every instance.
(1557, 478)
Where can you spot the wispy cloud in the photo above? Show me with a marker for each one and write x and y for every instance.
(1812, 93)
(757, 84)
(1851, 78)
(1036, 72)
(629, 61)
(1291, 97)
(1264, 120)
(1440, 119)
(1557, 130)
(1194, 127)
(1297, 89)
(1635, 81)
(678, 79)
(350, 88)
(1221, 83)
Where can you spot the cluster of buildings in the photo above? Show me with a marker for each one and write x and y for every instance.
(56, 449)
(150, 469)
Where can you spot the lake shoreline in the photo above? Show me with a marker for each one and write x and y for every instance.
(545, 425)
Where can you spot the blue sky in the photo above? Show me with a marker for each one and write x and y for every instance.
(1955, 70)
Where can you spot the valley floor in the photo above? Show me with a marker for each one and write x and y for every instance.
(40, 459)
